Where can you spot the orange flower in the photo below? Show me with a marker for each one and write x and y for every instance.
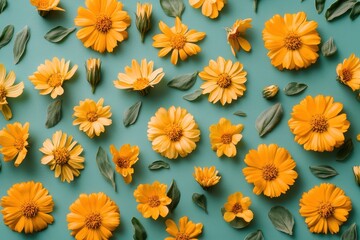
(124, 159)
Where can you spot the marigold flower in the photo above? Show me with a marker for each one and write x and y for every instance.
(187, 230)
(45, 6)
(270, 92)
(237, 206)
(93, 72)
(124, 159)
(143, 18)
(210, 8)
(206, 176)
(356, 170)
(348, 72)
(236, 34)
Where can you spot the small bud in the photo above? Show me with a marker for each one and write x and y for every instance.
(93, 72)
(358, 137)
(270, 91)
(356, 170)
(143, 18)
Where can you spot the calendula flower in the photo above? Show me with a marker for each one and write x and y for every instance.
(187, 230)
(358, 137)
(93, 216)
(143, 18)
(152, 200)
(173, 132)
(292, 41)
(13, 140)
(356, 170)
(8, 90)
(62, 154)
(49, 77)
(237, 206)
(325, 208)
(138, 77)
(103, 24)
(124, 159)
(236, 35)
(177, 39)
(271, 169)
(270, 92)
(348, 72)
(224, 80)
(210, 8)
(318, 124)
(92, 117)
(224, 137)
(27, 207)
(207, 176)
(93, 72)
(45, 6)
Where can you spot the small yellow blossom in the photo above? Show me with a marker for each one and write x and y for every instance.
(236, 34)
(124, 159)
(207, 176)
(93, 72)
(143, 18)
(237, 206)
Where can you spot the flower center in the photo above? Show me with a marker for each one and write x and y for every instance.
(154, 201)
(61, 156)
(174, 132)
(224, 80)
(270, 172)
(226, 138)
(346, 75)
(319, 123)
(182, 236)
(2, 93)
(103, 23)
(29, 209)
(326, 210)
(19, 144)
(237, 208)
(122, 162)
(93, 221)
(292, 42)
(178, 41)
(141, 83)
(92, 116)
(55, 80)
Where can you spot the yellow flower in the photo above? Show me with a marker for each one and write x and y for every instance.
(348, 72)
(224, 80)
(325, 208)
(92, 117)
(271, 169)
(139, 77)
(27, 207)
(49, 77)
(173, 132)
(318, 124)
(93, 216)
(62, 154)
(187, 230)
(237, 206)
(224, 137)
(143, 18)
(235, 35)
(93, 72)
(103, 24)
(356, 170)
(210, 8)
(13, 140)
(292, 41)
(358, 137)
(46, 5)
(8, 90)
(178, 40)
(207, 176)
(124, 159)
(152, 200)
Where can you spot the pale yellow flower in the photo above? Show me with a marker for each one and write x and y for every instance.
(206, 176)
(46, 5)
(210, 8)
(236, 35)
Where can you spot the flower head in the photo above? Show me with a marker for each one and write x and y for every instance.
(224, 80)
(173, 132)
(224, 137)
(187, 230)
(44, 6)
(356, 170)
(124, 159)
(93, 72)
(210, 8)
(292, 41)
(103, 24)
(93, 216)
(348, 72)
(62, 154)
(92, 117)
(143, 18)
(236, 34)
(270, 92)
(152, 200)
(27, 207)
(207, 176)
(178, 40)
(325, 208)
(13, 140)
(318, 124)
(271, 169)
(237, 206)
(49, 77)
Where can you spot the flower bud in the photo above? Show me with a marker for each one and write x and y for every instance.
(93, 72)
(143, 18)
(356, 170)
(270, 91)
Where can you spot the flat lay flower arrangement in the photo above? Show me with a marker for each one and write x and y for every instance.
(179, 119)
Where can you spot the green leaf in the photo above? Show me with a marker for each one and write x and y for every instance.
(200, 200)
(294, 88)
(329, 48)
(323, 171)
(6, 35)
(255, 236)
(193, 96)
(282, 219)
(158, 165)
(355, 11)
(3, 4)
(53, 114)
(105, 167)
(345, 150)
(173, 8)
(240, 114)
(175, 195)
(58, 33)
(256, 3)
(20, 44)
(268, 119)
(237, 223)
(320, 4)
(131, 114)
(140, 232)
(338, 8)
(183, 82)
(350, 233)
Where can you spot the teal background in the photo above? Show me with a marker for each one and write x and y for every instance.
(31, 107)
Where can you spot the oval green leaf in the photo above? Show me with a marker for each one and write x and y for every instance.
(20, 44)
(345, 150)
(175, 195)
(255, 236)
(294, 88)
(268, 119)
(350, 233)
(172, 8)
(193, 96)
(323, 171)
(240, 114)
(6, 35)
(329, 48)
(183, 82)
(58, 33)
(3, 4)
(200, 200)
(319, 4)
(53, 114)
(139, 230)
(237, 223)
(158, 165)
(282, 219)
(105, 167)
(131, 114)
(355, 11)
(338, 8)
